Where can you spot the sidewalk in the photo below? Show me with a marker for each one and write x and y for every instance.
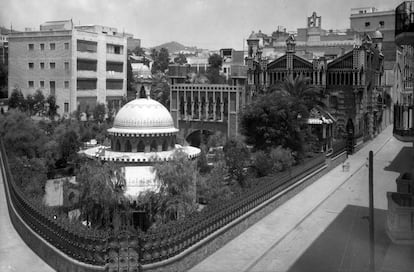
(276, 242)
(15, 255)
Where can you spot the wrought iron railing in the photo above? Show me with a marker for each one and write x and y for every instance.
(121, 250)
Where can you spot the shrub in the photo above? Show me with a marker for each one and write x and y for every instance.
(262, 164)
(282, 158)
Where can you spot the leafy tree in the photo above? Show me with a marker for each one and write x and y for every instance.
(180, 59)
(101, 193)
(177, 180)
(160, 89)
(29, 175)
(39, 102)
(52, 109)
(69, 146)
(213, 71)
(99, 112)
(271, 120)
(161, 60)
(16, 100)
(22, 137)
(236, 156)
(212, 187)
(138, 51)
(262, 163)
(29, 105)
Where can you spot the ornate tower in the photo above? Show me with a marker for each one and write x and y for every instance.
(290, 51)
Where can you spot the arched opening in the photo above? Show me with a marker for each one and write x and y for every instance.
(142, 93)
(153, 146)
(165, 145)
(141, 147)
(198, 137)
(117, 145)
(128, 147)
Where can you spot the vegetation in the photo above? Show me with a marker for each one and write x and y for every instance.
(160, 89)
(102, 194)
(299, 89)
(180, 59)
(161, 60)
(213, 71)
(271, 120)
(236, 156)
(177, 192)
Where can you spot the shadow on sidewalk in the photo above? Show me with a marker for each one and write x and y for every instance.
(344, 246)
(403, 162)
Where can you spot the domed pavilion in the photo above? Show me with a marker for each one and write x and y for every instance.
(143, 134)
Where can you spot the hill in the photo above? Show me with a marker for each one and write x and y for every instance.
(174, 47)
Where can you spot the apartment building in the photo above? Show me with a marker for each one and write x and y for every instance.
(81, 65)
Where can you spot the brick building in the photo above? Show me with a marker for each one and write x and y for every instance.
(80, 65)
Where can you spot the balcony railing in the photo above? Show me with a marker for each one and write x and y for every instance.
(404, 23)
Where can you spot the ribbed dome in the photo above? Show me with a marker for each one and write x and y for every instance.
(143, 116)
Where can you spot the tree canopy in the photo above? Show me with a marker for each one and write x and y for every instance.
(180, 59)
(213, 71)
(161, 60)
(272, 120)
(300, 89)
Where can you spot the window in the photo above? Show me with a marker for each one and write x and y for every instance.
(367, 24)
(52, 65)
(31, 65)
(66, 107)
(31, 84)
(66, 66)
(115, 66)
(86, 46)
(66, 84)
(114, 49)
(52, 87)
(42, 84)
(86, 65)
(86, 84)
(42, 65)
(381, 23)
(52, 46)
(42, 46)
(31, 46)
(66, 46)
(114, 84)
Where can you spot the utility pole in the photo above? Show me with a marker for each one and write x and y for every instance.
(371, 213)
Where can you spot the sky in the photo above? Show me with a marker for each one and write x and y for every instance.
(209, 24)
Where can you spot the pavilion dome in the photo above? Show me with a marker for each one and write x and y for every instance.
(377, 35)
(143, 116)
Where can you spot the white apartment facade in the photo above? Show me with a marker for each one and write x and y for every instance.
(80, 65)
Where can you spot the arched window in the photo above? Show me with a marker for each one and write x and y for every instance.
(128, 147)
(141, 147)
(142, 93)
(165, 145)
(153, 147)
(117, 145)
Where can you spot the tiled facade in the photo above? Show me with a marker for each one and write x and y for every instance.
(80, 65)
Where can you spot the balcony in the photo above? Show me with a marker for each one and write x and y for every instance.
(86, 74)
(115, 57)
(404, 23)
(400, 218)
(115, 75)
(87, 55)
(403, 123)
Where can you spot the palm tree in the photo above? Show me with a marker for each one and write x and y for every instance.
(300, 89)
